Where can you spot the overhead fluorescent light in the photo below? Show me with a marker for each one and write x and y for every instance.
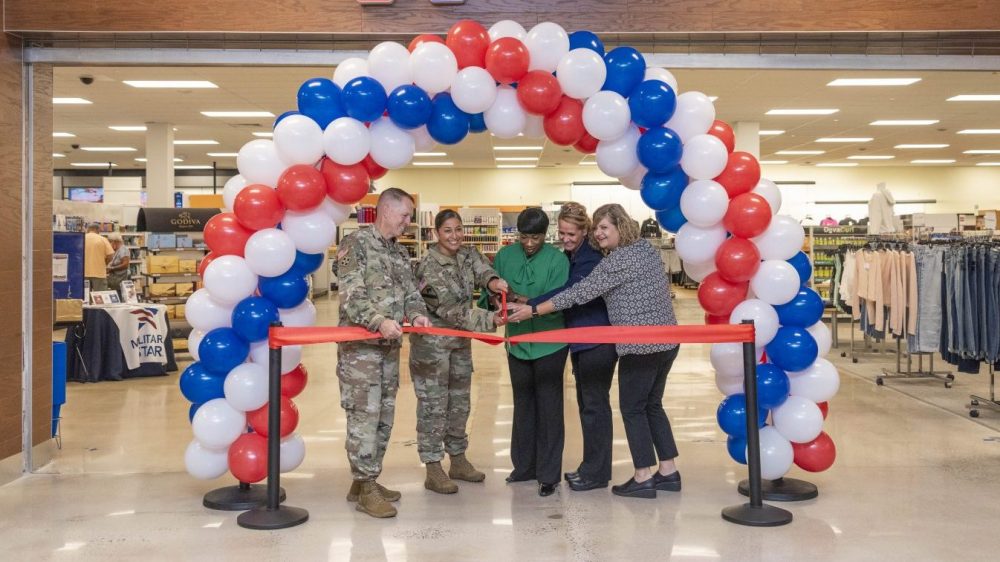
(421, 154)
(775, 162)
(263, 134)
(586, 163)
(517, 159)
(128, 128)
(800, 152)
(874, 81)
(975, 97)
(71, 101)
(143, 159)
(108, 149)
(903, 122)
(193, 167)
(237, 114)
(979, 132)
(223, 154)
(196, 142)
(988, 164)
(981, 152)
(92, 164)
(922, 146)
(802, 111)
(518, 147)
(516, 166)
(845, 139)
(770, 132)
(870, 157)
(181, 84)
(943, 161)
(63, 135)
(433, 163)
(837, 164)
(58, 155)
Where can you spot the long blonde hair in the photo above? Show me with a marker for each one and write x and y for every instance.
(628, 229)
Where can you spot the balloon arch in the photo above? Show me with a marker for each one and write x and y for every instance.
(375, 114)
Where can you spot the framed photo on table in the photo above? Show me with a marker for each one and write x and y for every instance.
(104, 297)
(129, 294)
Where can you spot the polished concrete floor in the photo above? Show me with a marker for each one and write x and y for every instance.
(916, 479)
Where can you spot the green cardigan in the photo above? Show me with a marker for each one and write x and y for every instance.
(532, 276)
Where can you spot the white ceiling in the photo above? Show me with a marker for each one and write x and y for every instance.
(744, 95)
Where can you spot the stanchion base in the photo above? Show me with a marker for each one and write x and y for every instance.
(264, 519)
(782, 490)
(763, 516)
(234, 498)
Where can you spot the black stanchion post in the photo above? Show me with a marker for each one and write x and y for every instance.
(783, 490)
(237, 498)
(273, 515)
(755, 513)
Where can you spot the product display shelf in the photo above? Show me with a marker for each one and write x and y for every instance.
(822, 245)
(483, 229)
(168, 273)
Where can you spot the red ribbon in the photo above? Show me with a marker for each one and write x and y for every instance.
(503, 306)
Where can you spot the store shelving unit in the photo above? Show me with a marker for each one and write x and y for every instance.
(822, 243)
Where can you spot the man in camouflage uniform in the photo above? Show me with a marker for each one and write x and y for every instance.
(377, 291)
(441, 366)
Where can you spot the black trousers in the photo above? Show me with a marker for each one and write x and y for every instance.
(594, 369)
(641, 379)
(537, 435)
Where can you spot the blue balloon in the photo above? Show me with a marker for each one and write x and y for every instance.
(737, 447)
(283, 115)
(626, 69)
(448, 124)
(663, 191)
(477, 123)
(801, 263)
(732, 415)
(672, 219)
(320, 100)
(364, 99)
(193, 410)
(307, 263)
(660, 149)
(221, 350)
(252, 318)
(287, 290)
(772, 386)
(792, 349)
(804, 310)
(586, 40)
(409, 107)
(652, 103)
(199, 385)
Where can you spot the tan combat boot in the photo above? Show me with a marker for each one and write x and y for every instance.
(370, 501)
(462, 469)
(389, 495)
(437, 480)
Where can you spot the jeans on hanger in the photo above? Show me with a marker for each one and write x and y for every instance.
(930, 317)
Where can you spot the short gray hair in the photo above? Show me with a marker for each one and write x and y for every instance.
(114, 237)
(393, 195)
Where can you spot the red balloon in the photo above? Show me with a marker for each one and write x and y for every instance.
(258, 207)
(425, 38)
(816, 455)
(711, 320)
(374, 170)
(741, 174)
(507, 60)
(345, 184)
(763, 358)
(204, 263)
(565, 125)
(469, 41)
(539, 92)
(725, 133)
(248, 458)
(824, 407)
(587, 144)
(748, 215)
(289, 418)
(301, 188)
(224, 235)
(719, 297)
(737, 260)
(293, 382)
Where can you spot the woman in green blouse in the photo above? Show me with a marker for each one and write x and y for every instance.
(532, 268)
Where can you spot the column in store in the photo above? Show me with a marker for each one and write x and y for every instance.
(159, 165)
(748, 137)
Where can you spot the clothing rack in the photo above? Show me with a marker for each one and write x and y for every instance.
(991, 402)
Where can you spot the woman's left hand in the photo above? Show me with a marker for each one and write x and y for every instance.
(497, 285)
(518, 312)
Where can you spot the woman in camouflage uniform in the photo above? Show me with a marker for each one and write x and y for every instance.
(441, 366)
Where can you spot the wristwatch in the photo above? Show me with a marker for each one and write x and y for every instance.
(534, 311)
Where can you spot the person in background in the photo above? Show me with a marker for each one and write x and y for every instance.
(97, 252)
(118, 266)
(632, 280)
(532, 268)
(441, 366)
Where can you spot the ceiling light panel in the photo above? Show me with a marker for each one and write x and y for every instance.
(223, 154)
(263, 134)
(63, 135)
(975, 97)
(177, 84)
(429, 154)
(903, 122)
(978, 151)
(128, 128)
(182, 142)
(774, 162)
(71, 101)
(874, 81)
(516, 158)
(942, 161)
(979, 132)
(869, 157)
(837, 164)
(502, 148)
(433, 163)
(800, 152)
(770, 132)
(92, 164)
(988, 164)
(802, 111)
(922, 146)
(144, 159)
(193, 167)
(108, 149)
(237, 114)
(845, 139)
(516, 166)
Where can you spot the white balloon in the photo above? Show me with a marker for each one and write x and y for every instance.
(782, 239)
(534, 127)
(694, 115)
(312, 231)
(704, 157)
(699, 244)
(764, 316)
(205, 313)
(229, 279)
(246, 387)
(422, 139)
(769, 191)
(505, 118)
(655, 73)
(618, 158)
(350, 69)
(346, 141)
(269, 252)
(434, 67)
(704, 203)
(547, 44)
(776, 282)
(193, 341)
(581, 73)
(292, 452)
(727, 359)
(337, 212)
(729, 386)
(473, 90)
(216, 424)
(634, 180)
(389, 63)
(303, 315)
(776, 454)
(233, 188)
(698, 270)
(392, 147)
(819, 382)
(824, 339)
(298, 140)
(606, 115)
(507, 28)
(291, 356)
(259, 162)
(798, 419)
(204, 463)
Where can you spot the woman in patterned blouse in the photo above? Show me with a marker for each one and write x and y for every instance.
(632, 280)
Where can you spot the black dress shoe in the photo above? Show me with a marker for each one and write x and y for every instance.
(571, 476)
(668, 483)
(512, 477)
(581, 485)
(633, 489)
(546, 489)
